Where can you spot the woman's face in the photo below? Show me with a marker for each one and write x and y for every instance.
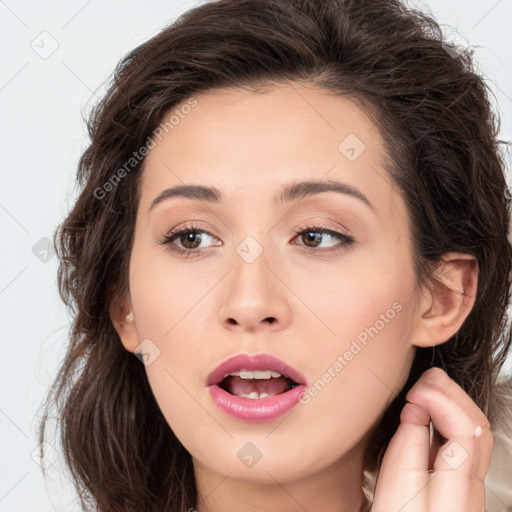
(343, 312)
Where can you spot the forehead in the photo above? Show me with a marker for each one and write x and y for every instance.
(245, 142)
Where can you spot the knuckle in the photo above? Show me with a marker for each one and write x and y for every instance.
(435, 378)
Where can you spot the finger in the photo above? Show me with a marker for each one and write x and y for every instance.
(461, 464)
(437, 379)
(457, 418)
(402, 483)
(454, 484)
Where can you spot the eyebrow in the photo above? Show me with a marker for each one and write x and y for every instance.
(290, 192)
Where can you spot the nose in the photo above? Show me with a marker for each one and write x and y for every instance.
(254, 297)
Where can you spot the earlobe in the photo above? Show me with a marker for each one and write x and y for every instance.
(124, 324)
(450, 299)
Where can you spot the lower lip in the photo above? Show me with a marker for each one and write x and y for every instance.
(256, 409)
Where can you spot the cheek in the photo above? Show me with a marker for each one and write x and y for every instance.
(367, 312)
(365, 295)
(171, 306)
(168, 298)
(167, 303)
(357, 375)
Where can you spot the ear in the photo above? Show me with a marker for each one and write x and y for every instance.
(444, 307)
(121, 315)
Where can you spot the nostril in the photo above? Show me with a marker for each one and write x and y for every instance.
(270, 319)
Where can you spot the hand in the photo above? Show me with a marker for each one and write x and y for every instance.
(451, 477)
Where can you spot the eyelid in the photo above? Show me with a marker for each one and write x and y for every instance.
(190, 226)
(322, 225)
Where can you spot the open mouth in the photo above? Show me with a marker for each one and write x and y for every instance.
(255, 387)
(253, 384)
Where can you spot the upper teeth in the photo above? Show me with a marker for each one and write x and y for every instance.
(249, 374)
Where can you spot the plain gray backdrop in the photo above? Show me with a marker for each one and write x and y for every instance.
(56, 58)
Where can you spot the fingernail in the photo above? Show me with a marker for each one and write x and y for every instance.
(478, 431)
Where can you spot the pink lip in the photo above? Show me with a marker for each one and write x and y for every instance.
(254, 362)
(260, 409)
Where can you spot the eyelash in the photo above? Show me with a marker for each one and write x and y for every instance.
(347, 240)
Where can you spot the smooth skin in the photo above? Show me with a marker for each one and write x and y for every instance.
(201, 309)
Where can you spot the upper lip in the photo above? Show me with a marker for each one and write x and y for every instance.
(253, 362)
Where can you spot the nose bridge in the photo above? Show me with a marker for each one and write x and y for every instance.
(253, 295)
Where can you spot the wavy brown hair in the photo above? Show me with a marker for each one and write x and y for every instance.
(433, 112)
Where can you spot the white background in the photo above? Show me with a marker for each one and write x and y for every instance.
(42, 104)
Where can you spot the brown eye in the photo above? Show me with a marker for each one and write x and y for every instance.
(190, 239)
(313, 236)
(187, 240)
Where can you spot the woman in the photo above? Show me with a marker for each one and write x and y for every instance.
(273, 372)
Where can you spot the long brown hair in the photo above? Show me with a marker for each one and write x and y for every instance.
(440, 133)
